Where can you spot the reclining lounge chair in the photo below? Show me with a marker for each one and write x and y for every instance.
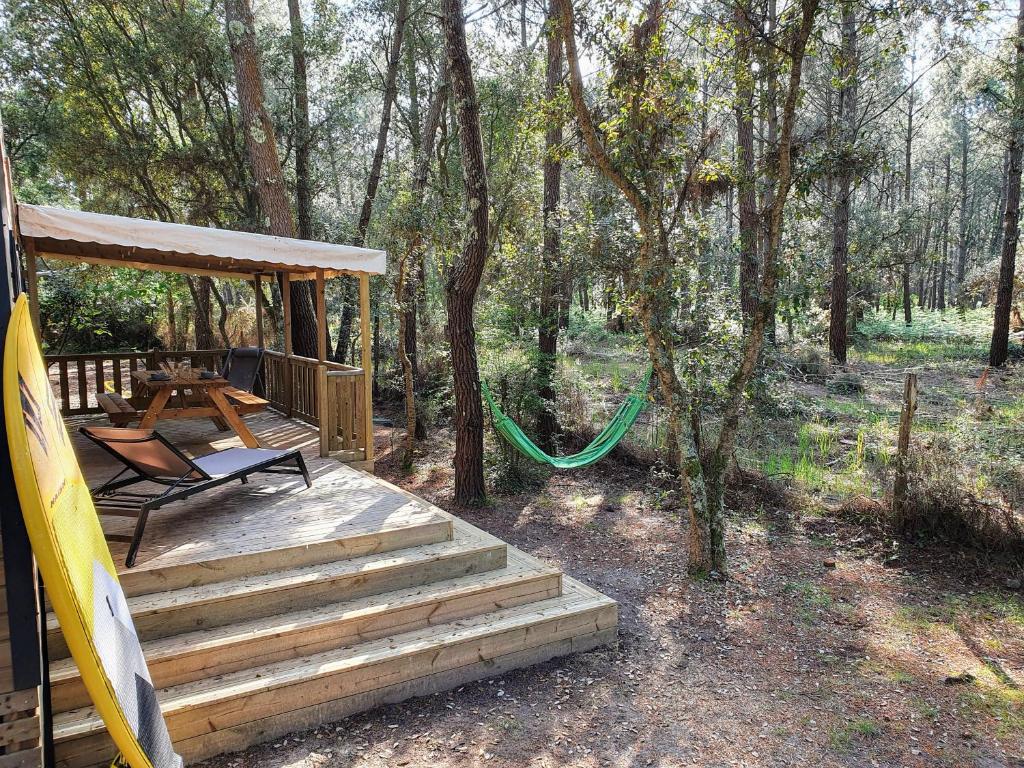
(150, 458)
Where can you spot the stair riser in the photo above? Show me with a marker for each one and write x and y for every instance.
(198, 663)
(234, 724)
(187, 617)
(337, 546)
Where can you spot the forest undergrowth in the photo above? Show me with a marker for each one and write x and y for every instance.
(833, 641)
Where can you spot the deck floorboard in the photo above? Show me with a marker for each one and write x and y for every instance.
(271, 512)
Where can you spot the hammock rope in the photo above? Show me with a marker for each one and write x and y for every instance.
(621, 422)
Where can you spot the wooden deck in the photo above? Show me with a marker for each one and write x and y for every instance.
(269, 607)
(271, 513)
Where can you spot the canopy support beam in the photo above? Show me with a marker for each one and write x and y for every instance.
(286, 310)
(321, 318)
(32, 277)
(367, 362)
(257, 285)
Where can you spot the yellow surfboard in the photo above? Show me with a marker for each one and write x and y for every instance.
(73, 557)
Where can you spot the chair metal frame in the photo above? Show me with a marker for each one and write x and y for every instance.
(257, 379)
(111, 498)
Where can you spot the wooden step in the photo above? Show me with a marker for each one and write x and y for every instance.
(323, 543)
(221, 603)
(209, 652)
(220, 714)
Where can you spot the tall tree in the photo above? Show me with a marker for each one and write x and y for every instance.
(642, 72)
(200, 288)
(746, 177)
(465, 273)
(847, 118)
(261, 149)
(548, 321)
(940, 299)
(377, 163)
(908, 193)
(999, 348)
(410, 262)
(303, 184)
(964, 213)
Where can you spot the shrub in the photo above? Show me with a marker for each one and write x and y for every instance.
(941, 505)
(846, 383)
(810, 361)
(511, 375)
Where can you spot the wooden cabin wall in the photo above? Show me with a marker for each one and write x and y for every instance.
(20, 650)
(20, 744)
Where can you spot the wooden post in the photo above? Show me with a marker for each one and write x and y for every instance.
(321, 318)
(323, 411)
(258, 288)
(33, 284)
(367, 363)
(899, 489)
(286, 308)
(323, 414)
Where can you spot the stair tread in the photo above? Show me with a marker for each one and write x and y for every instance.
(252, 586)
(575, 600)
(195, 641)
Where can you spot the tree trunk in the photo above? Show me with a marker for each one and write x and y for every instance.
(349, 294)
(407, 367)
(222, 316)
(746, 184)
(303, 187)
(172, 320)
(940, 300)
(418, 287)
(548, 324)
(997, 211)
(261, 149)
(717, 463)
(961, 260)
(1011, 219)
(847, 118)
(390, 92)
(464, 275)
(199, 287)
(908, 308)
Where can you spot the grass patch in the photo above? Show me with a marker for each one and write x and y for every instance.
(924, 708)
(812, 599)
(1000, 702)
(858, 729)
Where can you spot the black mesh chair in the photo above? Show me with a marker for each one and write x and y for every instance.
(243, 367)
(148, 457)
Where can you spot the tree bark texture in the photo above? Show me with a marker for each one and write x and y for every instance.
(464, 275)
(548, 322)
(999, 349)
(908, 308)
(746, 184)
(847, 118)
(261, 149)
(349, 294)
(303, 184)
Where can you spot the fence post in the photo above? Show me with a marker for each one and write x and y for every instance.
(323, 411)
(899, 489)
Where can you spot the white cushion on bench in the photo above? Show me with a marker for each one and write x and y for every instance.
(232, 460)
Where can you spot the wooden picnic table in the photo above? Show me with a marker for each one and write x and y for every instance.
(205, 401)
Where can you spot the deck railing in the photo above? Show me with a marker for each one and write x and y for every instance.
(79, 378)
(327, 395)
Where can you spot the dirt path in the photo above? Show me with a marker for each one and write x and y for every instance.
(810, 655)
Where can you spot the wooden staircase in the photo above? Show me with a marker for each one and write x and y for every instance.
(247, 647)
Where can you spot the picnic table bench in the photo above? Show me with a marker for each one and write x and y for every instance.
(212, 398)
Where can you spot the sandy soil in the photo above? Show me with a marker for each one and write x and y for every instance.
(821, 649)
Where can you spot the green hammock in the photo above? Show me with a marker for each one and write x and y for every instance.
(625, 417)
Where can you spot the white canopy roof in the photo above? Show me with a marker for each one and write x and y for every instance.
(142, 243)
